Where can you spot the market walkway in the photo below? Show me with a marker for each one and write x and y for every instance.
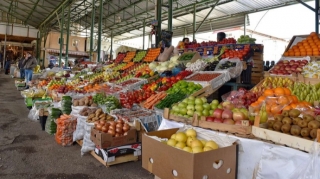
(26, 152)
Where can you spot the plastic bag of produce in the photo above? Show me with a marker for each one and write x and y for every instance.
(66, 125)
(80, 128)
(51, 126)
(233, 65)
(33, 113)
(87, 145)
(66, 103)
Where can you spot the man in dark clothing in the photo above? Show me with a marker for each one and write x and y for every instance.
(20, 66)
(7, 66)
(29, 64)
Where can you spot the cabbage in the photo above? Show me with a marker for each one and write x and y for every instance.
(174, 58)
(153, 65)
(164, 64)
(171, 65)
(163, 68)
(158, 68)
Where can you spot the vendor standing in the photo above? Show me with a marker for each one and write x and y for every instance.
(20, 66)
(221, 36)
(29, 64)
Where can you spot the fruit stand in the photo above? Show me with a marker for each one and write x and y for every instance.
(139, 107)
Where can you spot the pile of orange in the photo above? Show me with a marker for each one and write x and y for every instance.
(92, 88)
(309, 46)
(277, 100)
(129, 56)
(128, 65)
(152, 55)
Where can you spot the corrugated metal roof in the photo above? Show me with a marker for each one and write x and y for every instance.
(126, 16)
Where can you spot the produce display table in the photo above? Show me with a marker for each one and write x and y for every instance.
(260, 159)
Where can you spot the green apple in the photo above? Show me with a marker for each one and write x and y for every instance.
(206, 106)
(205, 112)
(198, 101)
(199, 113)
(199, 108)
(215, 101)
(190, 112)
(182, 105)
(214, 106)
(190, 107)
(183, 111)
(220, 106)
(175, 108)
(191, 98)
(204, 100)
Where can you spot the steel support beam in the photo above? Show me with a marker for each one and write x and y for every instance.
(100, 29)
(38, 41)
(317, 16)
(194, 21)
(307, 6)
(61, 36)
(245, 25)
(143, 33)
(205, 18)
(170, 16)
(92, 29)
(29, 15)
(68, 36)
(111, 46)
(159, 19)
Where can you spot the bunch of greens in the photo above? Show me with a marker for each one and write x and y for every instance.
(66, 103)
(51, 126)
(171, 99)
(109, 102)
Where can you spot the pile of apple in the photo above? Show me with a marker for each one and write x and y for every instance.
(189, 142)
(286, 67)
(192, 105)
(242, 98)
(229, 115)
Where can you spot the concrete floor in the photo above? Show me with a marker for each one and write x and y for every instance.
(26, 152)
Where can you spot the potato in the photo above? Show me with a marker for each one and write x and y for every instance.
(102, 115)
(94, 105)
(75, 102)
(95, 119)
(91, 116)
(81, 103)
(99, 110)
(102, 118)
(90, 102)
(86, 102)
(85, 113)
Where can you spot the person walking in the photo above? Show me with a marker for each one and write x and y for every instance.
(29, 64)
(20, 66)
(7, 65)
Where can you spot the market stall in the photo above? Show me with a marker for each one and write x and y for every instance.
(165, 111)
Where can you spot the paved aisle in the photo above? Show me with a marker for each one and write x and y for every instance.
(26, 152)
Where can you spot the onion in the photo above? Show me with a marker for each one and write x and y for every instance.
(107, 125)
(112, 123)
(120, 121)
(111, 132)
(104, 129)
(126, 128)
(96, 123)
(102, 122)
(112, 127)
(119, 125)
(99, 127)
(117, 135)
(126, 133)
(119, 130)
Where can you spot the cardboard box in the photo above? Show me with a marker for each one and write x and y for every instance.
(167, 162)
(110, 154)
(105, 140)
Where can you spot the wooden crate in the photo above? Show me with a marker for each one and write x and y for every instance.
(282, 138)
(257, 56)
(244, 129)
(118, 160)
(312, 81)
(292, 77)
(80, 142)
(167, 115)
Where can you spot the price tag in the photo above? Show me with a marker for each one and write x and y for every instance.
(216, 50)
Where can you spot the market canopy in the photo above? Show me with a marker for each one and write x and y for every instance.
(126, 18)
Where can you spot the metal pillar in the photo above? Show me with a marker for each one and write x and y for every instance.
(61, 36)
(100, 30)
(68, 35)
(37, 47)
(159, 19)
(45, 36)
(5, 48)
(317, 16)
(92, 29)
(111, 46)
(170, 16)
(194, 22)
(143, 33)
(245, 25)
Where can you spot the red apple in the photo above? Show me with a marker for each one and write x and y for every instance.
(299, 69)
(288, 68)
(217, 113)
(228, 121)
(227, 114)
(285, 61)
(305, 61)
(210, 119)
(238, 116)
(276, 67)
(217, 120)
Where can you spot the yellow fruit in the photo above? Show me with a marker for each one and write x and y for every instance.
(187, 149)
(181, 137)
(212, 144)
(191, 133)
(180, 145)
(207, 148)
(197, 149)
(189, 140)
(171, 142)
(203, 142)
(196, 143)
(173, 136)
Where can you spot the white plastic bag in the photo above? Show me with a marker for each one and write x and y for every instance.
(33, 114)
(87, 145)
(76, 109)
(310, 171)
(80, 131)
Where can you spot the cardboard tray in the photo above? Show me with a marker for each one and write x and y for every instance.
(312, 81)
(244, 129)
(168, 162)
(214, 83)
(282, 138)
(118, 160)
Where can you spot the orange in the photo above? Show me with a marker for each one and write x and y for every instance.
(293, 105)
(291, 53)
(275, 109)
(313, 34)
(283, 101)
(303, 53)
(268, 108)
(279, 91)
(286, 54)
(268, 92)
(306, 103)
(316, 53)
(294, 98)
(287, 108)
(297, 53)
(261, 99)
(254, 105)
(271, 100)
(309, 53)
(286, 91)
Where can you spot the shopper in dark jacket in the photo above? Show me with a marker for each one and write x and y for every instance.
(29, 64)
(20, 66)
(7, 66)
